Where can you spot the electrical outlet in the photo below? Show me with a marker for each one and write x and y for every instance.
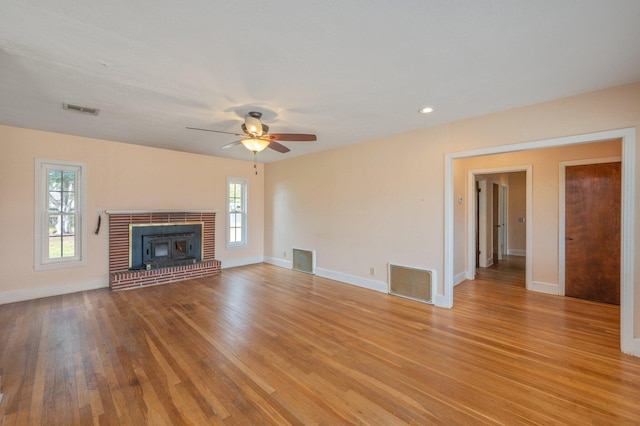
(372, 271)
(99, 212)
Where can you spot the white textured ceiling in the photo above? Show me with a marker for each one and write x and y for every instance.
(347, 70)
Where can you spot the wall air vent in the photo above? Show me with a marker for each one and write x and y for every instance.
(82, 109)
(412, 283)
(304, 260)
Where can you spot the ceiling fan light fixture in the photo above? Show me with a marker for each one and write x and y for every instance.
(254, 144)
(254, 130)
(253, 124)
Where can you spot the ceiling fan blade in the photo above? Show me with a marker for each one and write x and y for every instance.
(231, 145)
(278, 147)
(292, 137)
(214, 131)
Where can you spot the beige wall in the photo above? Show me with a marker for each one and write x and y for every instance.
(382, 201)
(119, 176)
(359, 206)
(517, 208)
(545, 165)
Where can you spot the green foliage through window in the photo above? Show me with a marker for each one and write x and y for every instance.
(61, 186)
(236, 212)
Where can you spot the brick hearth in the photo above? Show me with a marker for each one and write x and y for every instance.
(120, 277)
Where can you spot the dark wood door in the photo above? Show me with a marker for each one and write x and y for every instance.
(496, 222)
(592, 223)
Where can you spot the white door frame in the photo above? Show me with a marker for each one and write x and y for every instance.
(479, 213)
(628, 343)
(471, 236)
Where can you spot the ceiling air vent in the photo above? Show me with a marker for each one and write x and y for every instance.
(78, 108)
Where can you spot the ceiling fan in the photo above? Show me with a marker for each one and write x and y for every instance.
(256, 135)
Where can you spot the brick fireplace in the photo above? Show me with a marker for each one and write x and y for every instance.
(121, 223)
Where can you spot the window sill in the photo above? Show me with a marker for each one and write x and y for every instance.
(59, 265)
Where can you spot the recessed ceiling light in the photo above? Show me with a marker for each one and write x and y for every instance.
(425, 110)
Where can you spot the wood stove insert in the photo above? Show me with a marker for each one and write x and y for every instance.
(163, 245)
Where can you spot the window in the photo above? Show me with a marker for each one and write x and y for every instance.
(236, 212)
(60, 232)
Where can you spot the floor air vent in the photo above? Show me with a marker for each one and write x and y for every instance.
(412, 283)
(304, 260)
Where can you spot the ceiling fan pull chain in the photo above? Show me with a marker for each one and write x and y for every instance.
(255, 161)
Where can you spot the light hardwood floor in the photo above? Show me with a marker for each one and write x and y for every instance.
(267, 345)
(509, 270)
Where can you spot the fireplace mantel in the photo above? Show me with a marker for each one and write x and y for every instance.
(158, 211)
(120, 221)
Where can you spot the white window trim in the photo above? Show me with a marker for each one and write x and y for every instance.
(245, 221)
(42, 262)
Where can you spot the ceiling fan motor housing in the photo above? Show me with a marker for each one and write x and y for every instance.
(253, 125)
(265, 129)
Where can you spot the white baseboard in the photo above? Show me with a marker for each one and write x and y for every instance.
(37, 293)
(633, 348)
(516, 252)
(241, 262)
(485, 263)
(441, 302)
(367, 283)
(457, 279)
(288, 264)
(370, 284)
(547, 288)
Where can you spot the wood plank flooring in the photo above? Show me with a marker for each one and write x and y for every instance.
(266, 345)
(509, 270)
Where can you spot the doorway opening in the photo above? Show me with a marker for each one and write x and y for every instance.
(497, 220)
(500, 231)
(629, 343)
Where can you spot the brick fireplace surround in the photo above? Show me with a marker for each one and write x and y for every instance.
(120, 277)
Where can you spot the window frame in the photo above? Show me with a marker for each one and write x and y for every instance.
(42, 261)
(244, 213)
